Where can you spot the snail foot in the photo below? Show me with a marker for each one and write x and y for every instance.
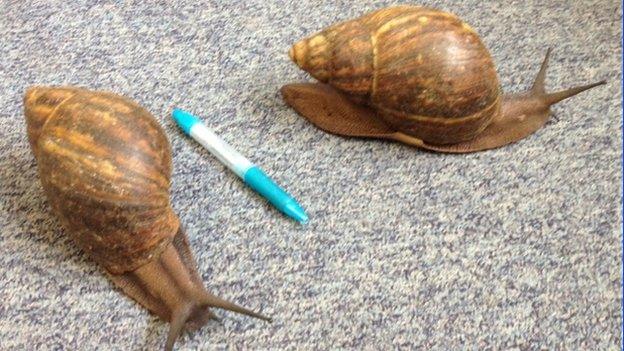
(333, 112)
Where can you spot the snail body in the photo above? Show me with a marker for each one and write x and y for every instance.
(105, 166)
(417, 75)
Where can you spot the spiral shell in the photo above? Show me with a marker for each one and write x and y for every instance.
(105, 165)
(424, 71)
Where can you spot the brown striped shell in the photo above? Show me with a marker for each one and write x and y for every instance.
(105, 165)
(424, 71)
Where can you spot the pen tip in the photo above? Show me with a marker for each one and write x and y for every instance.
(295, 211)
(184, 119)
(301, 217)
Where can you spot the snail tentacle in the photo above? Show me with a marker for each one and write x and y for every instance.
(538, 84)
(539, 89)
(217, 302)
(178, 320)
(553, 98)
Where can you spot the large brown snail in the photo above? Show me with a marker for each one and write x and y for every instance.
(416, 75)
(105, 166)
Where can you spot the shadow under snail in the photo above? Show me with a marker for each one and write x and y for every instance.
(416, 75)
(105, 166)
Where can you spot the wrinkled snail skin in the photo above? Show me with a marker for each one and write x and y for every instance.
(105, 166)
(417, 75)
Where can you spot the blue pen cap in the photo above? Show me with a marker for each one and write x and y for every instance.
(185, 120)
(260, 182)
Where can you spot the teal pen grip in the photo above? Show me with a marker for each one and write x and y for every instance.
(265, 186)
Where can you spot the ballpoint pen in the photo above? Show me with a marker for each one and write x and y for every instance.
(245, 169)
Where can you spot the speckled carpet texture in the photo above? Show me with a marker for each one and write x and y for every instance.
(517, 248)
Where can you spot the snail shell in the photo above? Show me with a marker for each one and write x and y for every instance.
(105, 166)
(422, 74)
(398, 60)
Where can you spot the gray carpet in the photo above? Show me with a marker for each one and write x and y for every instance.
(516, 248)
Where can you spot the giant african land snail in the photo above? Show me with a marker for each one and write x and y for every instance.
(417, 75)
(105, 165)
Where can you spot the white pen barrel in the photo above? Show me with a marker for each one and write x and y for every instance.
(250, 173)
(222, 150)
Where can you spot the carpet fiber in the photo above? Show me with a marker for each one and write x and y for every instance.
(515, 248)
